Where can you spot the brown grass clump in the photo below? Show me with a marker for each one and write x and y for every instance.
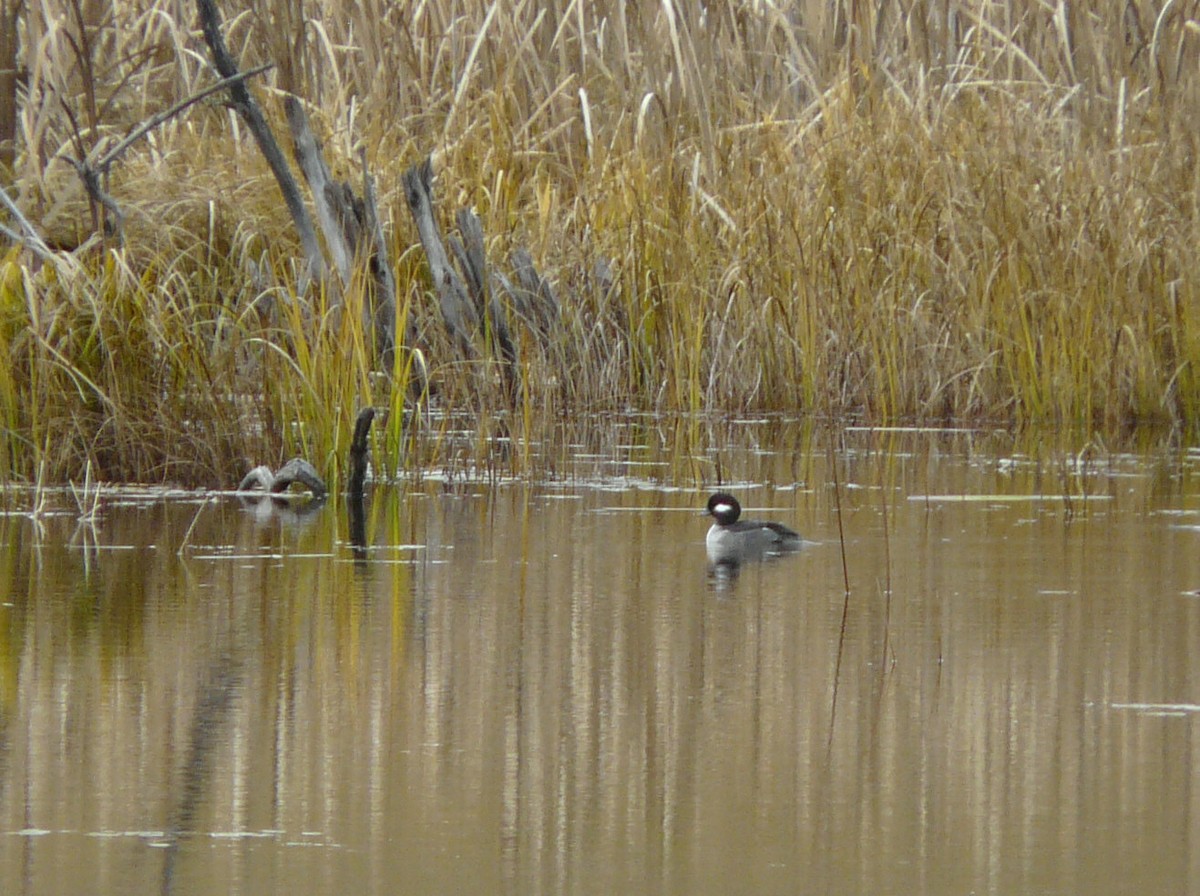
(918, 212)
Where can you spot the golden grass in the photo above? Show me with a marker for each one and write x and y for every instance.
(921, 212)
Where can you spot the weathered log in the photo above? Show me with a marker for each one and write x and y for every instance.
(540, 294)
(248, 109)
(351, 228)
(472, 258)
(335, 209)
(260, 477)
(298, 470)
(532, 297)
(458, 312)
(384, 296)
(603, 279)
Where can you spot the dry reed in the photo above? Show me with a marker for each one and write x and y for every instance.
(914, 212)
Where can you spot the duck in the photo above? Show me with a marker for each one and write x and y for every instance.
(732, 540)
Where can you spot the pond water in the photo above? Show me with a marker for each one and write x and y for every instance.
(541, 688)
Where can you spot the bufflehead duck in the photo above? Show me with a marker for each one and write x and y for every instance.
(732, 540)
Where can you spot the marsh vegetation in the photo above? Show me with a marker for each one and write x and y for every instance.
(922, 212)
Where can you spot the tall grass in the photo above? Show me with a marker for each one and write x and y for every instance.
(909, 212)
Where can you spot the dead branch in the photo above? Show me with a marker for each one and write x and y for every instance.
(248, 109)
(457, 310)
(532, 296)
(472, 258)
(352, 229)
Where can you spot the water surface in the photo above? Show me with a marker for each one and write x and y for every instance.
(541, 688)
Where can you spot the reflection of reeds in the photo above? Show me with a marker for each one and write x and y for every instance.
(87, 497)
(837, 666)
(902, 212)
(425, 710)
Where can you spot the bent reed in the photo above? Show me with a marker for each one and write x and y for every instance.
(926, 212)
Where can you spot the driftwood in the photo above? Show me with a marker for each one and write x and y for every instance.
(603, 280)
(299, 471)
(350, 224)
(458, 312)
(532, 297)
(466, 301)
(248, 109)
(384, 298)
(472, 258)
(352, 229)
(337, 214)
(296, 470)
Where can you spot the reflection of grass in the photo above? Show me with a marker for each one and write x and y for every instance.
(87, 498)
(898, 213)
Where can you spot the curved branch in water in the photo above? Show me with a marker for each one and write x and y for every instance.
(260, 477)
(299, 470)
(296, 470)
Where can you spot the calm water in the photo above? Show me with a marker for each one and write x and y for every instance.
(534, 689)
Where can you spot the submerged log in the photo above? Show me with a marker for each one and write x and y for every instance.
(260, 477)
(299, 471)
(296, 470)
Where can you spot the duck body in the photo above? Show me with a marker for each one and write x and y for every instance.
(733, 540)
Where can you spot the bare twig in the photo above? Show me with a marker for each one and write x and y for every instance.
(29, 235)
(154, 121)
(187, 536)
